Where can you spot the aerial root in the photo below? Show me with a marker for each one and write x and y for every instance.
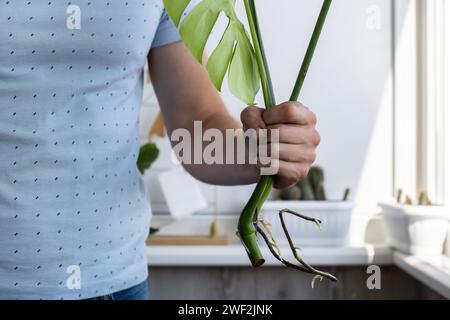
(264, 229)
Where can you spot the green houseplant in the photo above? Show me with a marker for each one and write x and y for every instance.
(148, 153)
(242, 57)
(312, 188)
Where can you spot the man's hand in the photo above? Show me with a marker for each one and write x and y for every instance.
(298, 138)
(186, 94)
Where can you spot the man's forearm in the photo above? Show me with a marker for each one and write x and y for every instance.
(221, 172)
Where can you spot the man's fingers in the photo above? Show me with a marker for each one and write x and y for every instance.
(301, 153)
(289, 113)
(290, 173)
(295, 134)
(251, 118)
(297, 153)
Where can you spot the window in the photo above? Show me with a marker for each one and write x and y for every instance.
(422, 98)
(434, 121)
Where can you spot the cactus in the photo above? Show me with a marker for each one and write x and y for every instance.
(422, 200)
(346, 194)
(307, 192)
(311, 188)
(316, 178)
(292, 193)
(399, 195)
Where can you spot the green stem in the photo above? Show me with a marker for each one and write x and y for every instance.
(310, 51)
(266, 81)
(270, 91)
(249, 216)
(246, 226)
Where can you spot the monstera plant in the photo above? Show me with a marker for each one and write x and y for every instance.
(243, 58)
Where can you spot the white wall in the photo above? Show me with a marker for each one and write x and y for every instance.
(349, 87)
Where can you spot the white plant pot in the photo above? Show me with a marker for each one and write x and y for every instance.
(335, 217)
(417, 230)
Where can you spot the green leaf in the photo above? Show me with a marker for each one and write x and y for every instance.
(175, 9)
(147, 155)
(243, 76)
(153, 231)
(219, 61)
(234, 54)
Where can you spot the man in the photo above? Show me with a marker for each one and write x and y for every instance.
(74, 214)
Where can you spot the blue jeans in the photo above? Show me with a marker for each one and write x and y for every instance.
(138, 292)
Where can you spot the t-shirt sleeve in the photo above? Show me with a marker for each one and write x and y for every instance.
(167, 32)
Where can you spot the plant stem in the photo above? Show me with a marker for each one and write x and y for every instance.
(270, 91)
(311, 49)
(246, 226)
(266, 81)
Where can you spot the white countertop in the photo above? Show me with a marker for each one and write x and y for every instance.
(234, 255)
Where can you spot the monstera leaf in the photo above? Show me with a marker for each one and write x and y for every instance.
(234, 54)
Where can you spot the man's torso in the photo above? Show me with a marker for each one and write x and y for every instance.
(71, 200)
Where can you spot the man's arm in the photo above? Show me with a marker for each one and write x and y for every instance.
(186, 94)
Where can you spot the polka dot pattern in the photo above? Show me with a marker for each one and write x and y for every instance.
(70, 193)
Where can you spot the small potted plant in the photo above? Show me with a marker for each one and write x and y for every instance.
(415, 228)
(309, 197)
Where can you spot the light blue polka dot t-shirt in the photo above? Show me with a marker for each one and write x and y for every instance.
(74, 213)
